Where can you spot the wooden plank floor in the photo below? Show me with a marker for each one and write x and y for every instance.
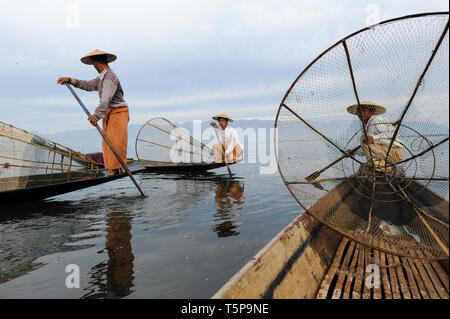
(361, 272)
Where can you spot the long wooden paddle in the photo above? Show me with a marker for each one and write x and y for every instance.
(106, 140)
(317, 173)
(223, 149)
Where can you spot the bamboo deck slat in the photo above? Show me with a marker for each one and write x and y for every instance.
(343, 272)
(443, 276)
(426, 279)
(435, 280)
(404, 286)
(360, 270)
(367, 291)
(323, 291)
(410, 278)
(393, 276)
(399, 277)
(419, 281)
(377, 290)
(385, 277)
(352, 273)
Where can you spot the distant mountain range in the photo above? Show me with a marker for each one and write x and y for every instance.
(89, 141)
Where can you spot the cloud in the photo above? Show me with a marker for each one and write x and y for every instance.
(224, 94)
(238, 112)
(176, 57)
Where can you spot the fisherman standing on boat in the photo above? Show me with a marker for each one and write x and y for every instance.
(229, 146)
(379, 135)
(112, 109)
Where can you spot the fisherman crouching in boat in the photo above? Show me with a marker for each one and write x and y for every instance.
(379, 135)
(229, 144)
(112, 108)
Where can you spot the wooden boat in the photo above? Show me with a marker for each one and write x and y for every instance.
(163, 147)
(311, 260)
(163, 167)
(32, 167)
(36, 187)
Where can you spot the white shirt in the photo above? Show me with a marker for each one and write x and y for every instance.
(381, 130)
(225, 134)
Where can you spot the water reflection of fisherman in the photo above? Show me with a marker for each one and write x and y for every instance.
(229, 198)
(229, 140)
(119, 268)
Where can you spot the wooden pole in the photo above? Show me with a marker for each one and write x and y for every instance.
(106, 140)
(223, 149)
(317, 173)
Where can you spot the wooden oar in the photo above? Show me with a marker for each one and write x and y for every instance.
(106, 140)
(317, 173)
(223, 149)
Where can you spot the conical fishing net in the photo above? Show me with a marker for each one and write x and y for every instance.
(27, 160)
(160, 143)
(391, 193)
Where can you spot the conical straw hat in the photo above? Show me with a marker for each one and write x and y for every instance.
(87, 58)
(224, 116)
(352, 109)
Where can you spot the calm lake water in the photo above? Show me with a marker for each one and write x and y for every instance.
(185, 240)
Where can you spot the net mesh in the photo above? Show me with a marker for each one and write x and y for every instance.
(401, 207)
(28, 160)
(160, 143)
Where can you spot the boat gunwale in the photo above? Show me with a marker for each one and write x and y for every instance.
(40, 192)
(254, 260)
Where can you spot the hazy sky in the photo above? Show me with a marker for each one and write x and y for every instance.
(183, 60)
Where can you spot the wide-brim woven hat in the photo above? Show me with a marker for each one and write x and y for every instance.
(87, 58)
(353, 109)
(223, 116)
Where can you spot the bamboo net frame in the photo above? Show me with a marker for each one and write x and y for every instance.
(160, 142)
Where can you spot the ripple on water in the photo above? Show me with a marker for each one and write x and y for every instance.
(184, 240)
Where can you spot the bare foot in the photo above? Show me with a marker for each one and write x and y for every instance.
(113, 172)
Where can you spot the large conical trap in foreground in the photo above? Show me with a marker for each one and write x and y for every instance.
(391, 194)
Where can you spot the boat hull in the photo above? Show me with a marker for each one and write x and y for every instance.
(162, 167)
(37, 191)
(291, 265)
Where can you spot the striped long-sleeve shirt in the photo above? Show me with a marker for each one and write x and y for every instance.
(109, 90)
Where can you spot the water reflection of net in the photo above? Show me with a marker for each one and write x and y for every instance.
(28, 160)
(401, 64)
(160, 143)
